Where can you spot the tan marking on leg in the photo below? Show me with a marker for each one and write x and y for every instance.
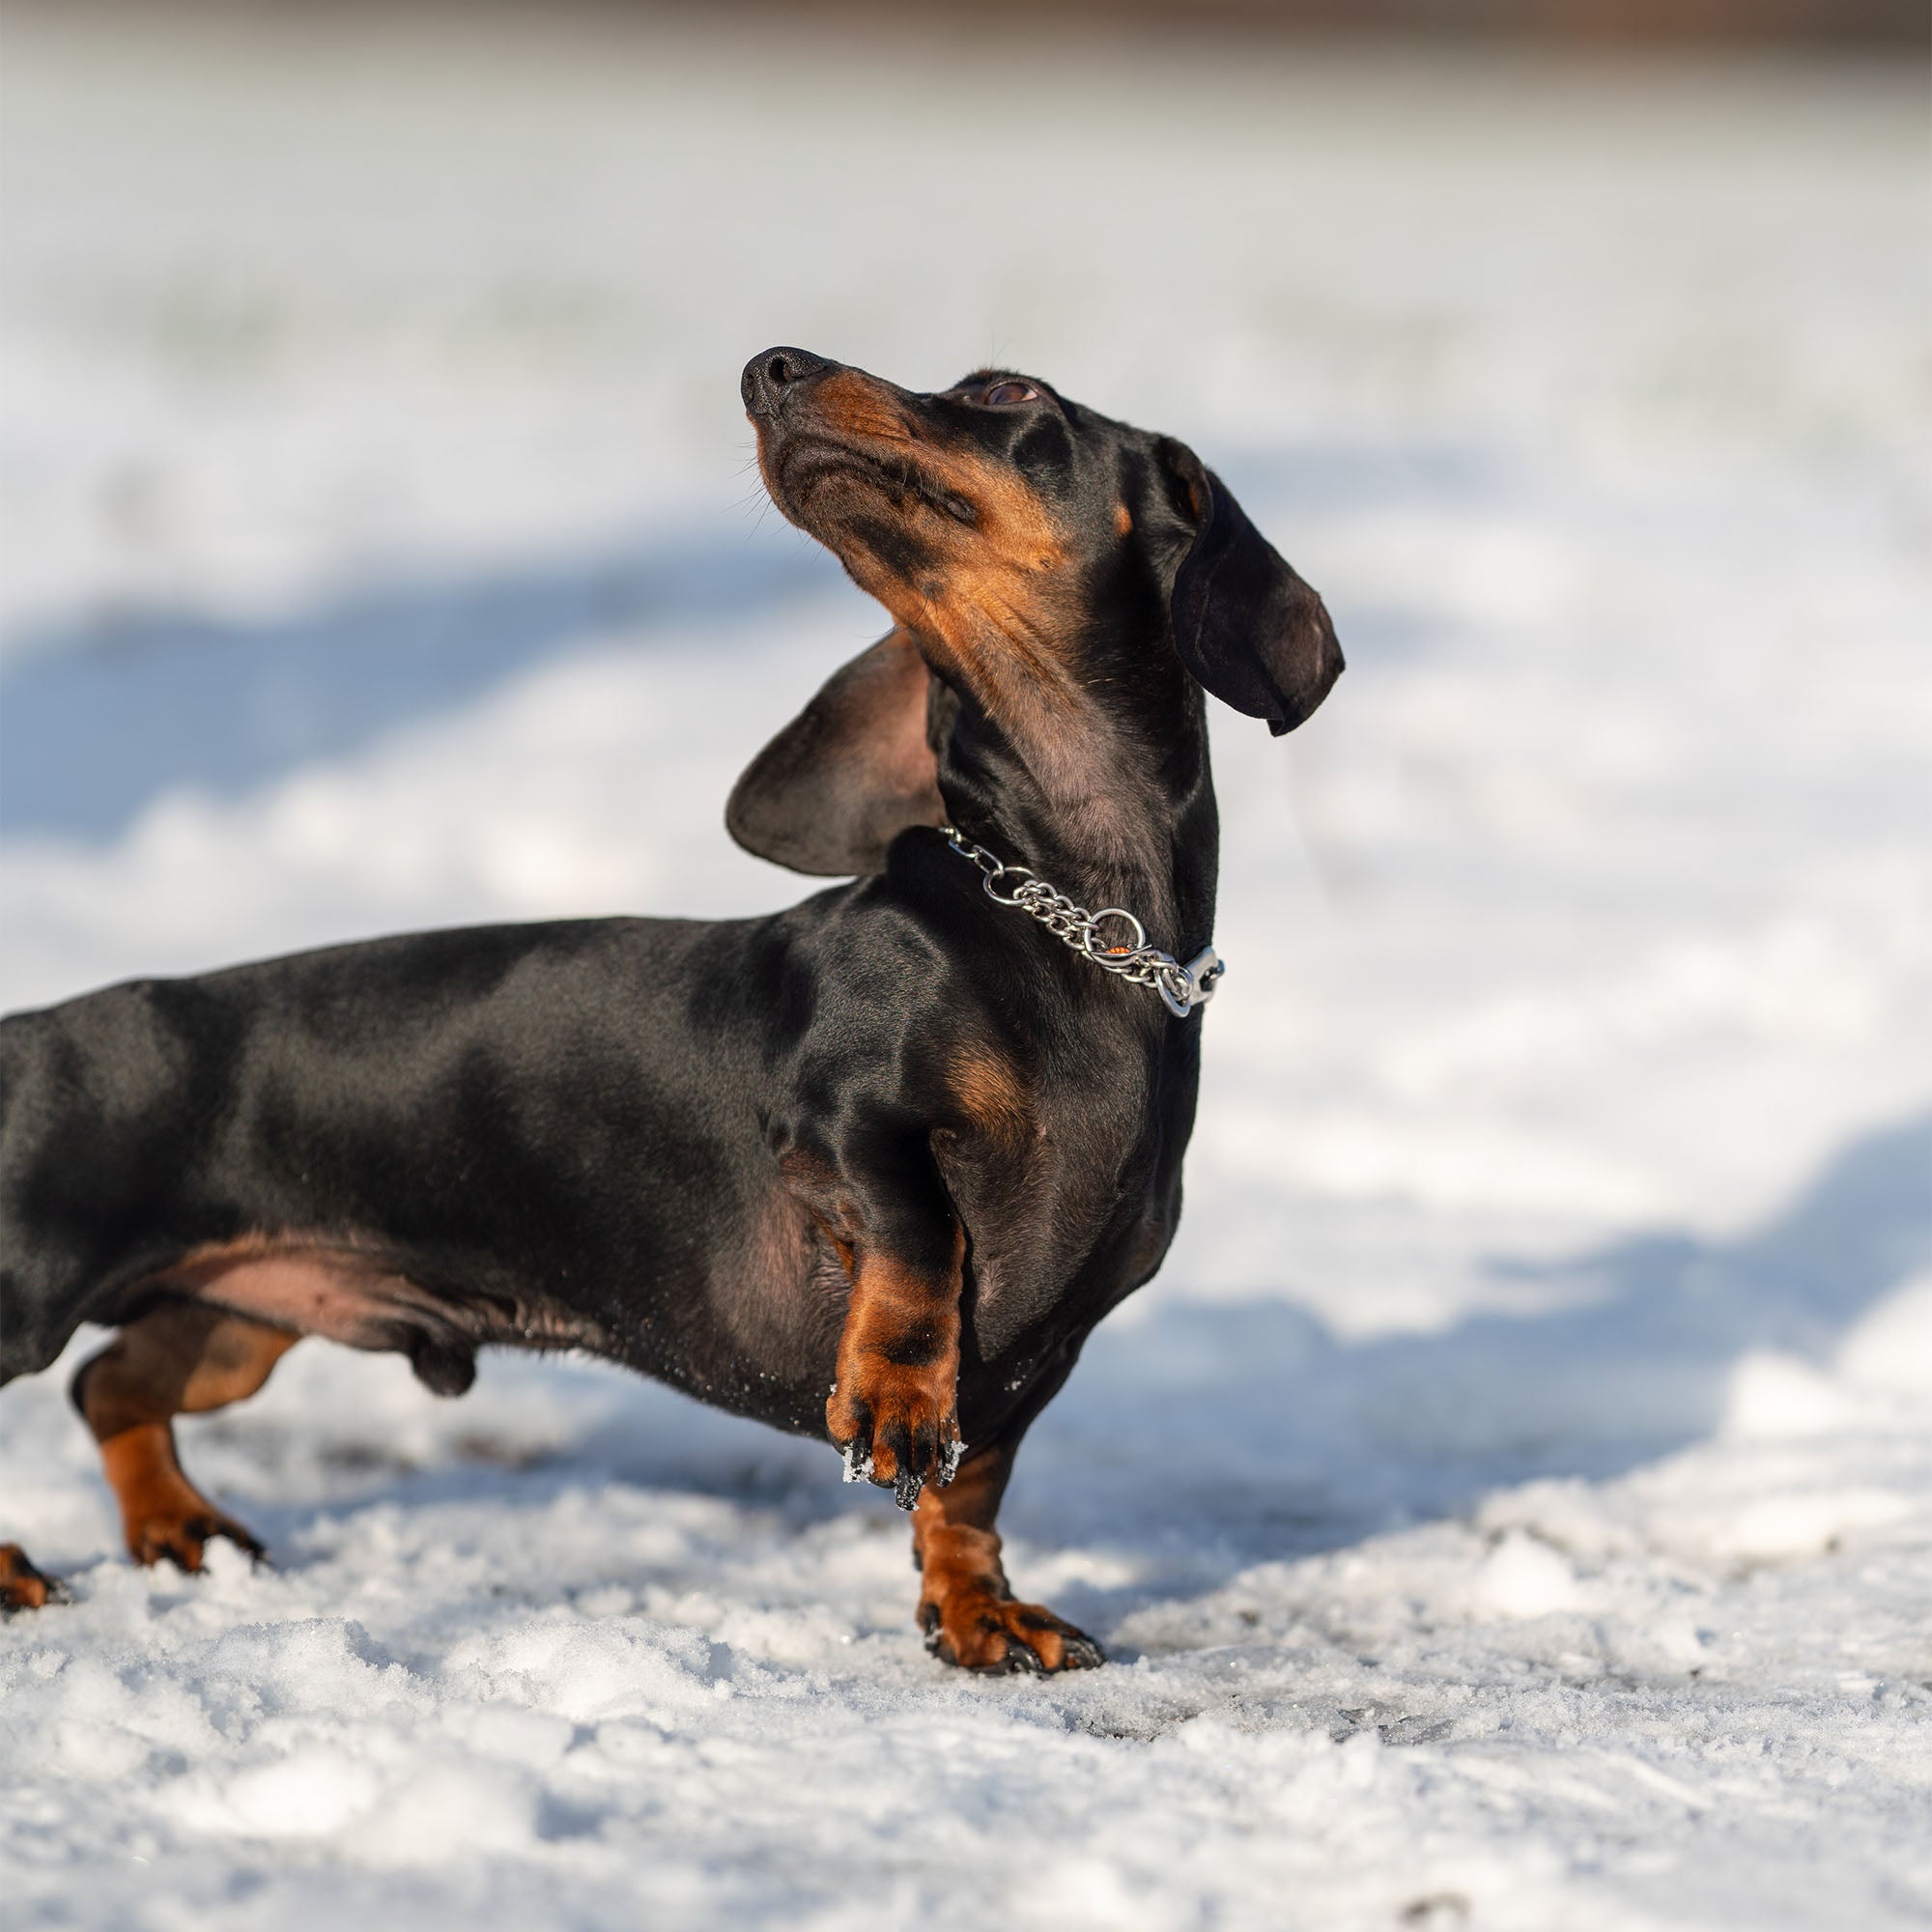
(181, 1358)
(966, 1606)
(893, 1409)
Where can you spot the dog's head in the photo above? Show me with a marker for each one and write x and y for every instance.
(1045, 564)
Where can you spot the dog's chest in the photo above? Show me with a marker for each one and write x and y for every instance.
(1061, 1228)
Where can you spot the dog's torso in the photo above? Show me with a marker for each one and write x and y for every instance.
(620, 1135)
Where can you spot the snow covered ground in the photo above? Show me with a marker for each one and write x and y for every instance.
(1513, 1505)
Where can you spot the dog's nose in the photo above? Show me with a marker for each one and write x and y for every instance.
(769, 375)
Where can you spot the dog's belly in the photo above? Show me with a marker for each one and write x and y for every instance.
(359, 1294)
(757, 1334)
(329, 1290)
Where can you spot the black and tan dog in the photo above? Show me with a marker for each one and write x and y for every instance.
(902, 1144)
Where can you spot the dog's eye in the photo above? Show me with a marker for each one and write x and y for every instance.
(1000, 393)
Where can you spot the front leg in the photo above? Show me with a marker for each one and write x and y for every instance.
(893, 1412)
(966, 1608)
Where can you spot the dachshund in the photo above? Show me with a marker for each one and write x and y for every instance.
(871, 1168)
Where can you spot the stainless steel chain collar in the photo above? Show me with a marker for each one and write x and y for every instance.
(1181, 987)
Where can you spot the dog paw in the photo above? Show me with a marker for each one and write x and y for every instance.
(895, 1427)
(22, 1587)
(978, 1631)
(182, 1538)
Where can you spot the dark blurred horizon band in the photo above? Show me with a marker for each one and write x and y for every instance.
(1687, 23)
(1661, 26)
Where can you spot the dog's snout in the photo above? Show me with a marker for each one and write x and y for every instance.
(769, 375)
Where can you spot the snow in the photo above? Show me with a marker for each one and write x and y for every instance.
(1513, 1505)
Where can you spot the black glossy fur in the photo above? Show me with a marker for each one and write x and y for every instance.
(664, 1141)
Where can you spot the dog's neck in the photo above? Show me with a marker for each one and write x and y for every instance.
(1110, 803)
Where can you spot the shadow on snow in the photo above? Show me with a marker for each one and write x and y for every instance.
(1203, 1440)
(99, 717)
(102, 714)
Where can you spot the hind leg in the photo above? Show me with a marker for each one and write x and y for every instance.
(182, 1358)
(22, 1587)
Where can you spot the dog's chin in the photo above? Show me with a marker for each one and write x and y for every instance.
(825, 475)
(839, 501)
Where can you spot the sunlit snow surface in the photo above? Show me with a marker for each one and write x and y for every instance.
(1510, 1508)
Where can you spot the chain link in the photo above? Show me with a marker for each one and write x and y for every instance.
(1181, 987)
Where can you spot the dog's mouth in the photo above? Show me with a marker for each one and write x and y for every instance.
(804, 466)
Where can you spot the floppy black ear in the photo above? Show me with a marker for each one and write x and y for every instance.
(848, 774)
(1247, 627)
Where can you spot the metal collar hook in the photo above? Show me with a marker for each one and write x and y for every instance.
(1181, 988)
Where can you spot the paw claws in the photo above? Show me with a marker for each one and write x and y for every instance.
(185, 1544)
(1082, 1652)
(250, 1546)
(894, 1454)
(1032, 1643)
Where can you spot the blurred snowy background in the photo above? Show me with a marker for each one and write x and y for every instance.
(1511, 1505)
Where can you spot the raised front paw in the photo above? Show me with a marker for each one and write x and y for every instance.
(896, 1425)
(979, 1630)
